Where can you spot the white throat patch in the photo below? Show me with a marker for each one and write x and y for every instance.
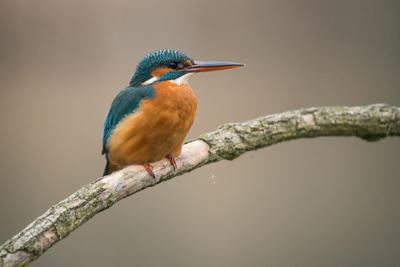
(179, 81)
(183, 79)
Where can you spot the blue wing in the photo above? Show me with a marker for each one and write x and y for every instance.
(125, 103)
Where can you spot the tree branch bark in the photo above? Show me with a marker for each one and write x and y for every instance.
(229, 141)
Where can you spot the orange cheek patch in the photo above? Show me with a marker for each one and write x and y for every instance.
(160, 71)
(188, 63)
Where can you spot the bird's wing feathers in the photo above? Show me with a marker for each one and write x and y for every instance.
(125, 103)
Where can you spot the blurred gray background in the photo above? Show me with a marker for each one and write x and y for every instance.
(316, 202)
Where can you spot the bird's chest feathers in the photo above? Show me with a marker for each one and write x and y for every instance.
(158, 128)
(172, 99)
(170, 114)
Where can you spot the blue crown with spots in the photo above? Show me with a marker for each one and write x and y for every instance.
(156, 59)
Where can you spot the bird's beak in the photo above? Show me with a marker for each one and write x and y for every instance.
(203, 66)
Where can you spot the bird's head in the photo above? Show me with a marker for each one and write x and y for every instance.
(168, 64)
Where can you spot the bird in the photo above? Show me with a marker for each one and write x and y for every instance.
(150, 118)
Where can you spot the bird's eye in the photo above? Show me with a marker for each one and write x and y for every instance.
(173, 65)
(176, 65)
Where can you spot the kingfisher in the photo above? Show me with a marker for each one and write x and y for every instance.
(150, 118)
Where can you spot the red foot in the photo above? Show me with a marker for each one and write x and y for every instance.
(149, 169)
(173, 162)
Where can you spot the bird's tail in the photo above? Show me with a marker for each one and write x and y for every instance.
(109, 168)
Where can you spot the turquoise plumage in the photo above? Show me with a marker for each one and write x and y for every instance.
(150, 119)
(125, 103)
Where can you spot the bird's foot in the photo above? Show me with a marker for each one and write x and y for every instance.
(172, 161)
(149, 169)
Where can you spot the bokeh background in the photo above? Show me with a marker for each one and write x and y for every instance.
(316, 202)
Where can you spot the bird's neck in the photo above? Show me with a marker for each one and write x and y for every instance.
(179, 78)
(182, 80)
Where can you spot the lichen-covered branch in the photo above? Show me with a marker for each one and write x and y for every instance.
(370, 123)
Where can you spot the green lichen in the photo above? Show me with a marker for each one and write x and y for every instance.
(93, 201)
(370, 123)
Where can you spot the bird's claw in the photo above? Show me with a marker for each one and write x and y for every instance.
(149, 169)
(172, 161)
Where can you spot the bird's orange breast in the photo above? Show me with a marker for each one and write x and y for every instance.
(156, 129)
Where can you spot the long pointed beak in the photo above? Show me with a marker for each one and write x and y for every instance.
(203, 66)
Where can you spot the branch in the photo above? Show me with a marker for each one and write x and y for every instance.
(229, 141)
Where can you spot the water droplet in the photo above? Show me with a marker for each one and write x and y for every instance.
(213, 178)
